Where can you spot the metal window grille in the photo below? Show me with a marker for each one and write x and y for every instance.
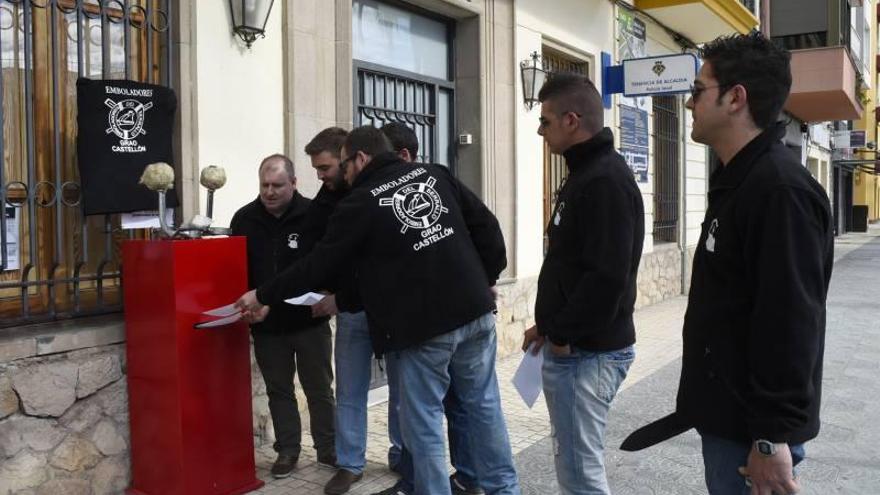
(555, 171)
(386, 95)
(56, 263)
(666, 165)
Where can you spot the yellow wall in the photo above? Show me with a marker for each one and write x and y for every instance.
(866, 187)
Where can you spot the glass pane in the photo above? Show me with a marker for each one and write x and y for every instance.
(390, 36)
(444, 128)
(256, 12)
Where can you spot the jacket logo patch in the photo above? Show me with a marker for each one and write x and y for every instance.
(293, 241)
(558, 216)
(710, 236)
(416, 205)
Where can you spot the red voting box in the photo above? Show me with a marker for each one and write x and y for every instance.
(189, 390)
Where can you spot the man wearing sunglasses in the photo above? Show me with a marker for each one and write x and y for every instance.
(427, 252)
(587, 286)
(754, 330)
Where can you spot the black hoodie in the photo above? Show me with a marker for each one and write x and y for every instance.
(425, 248)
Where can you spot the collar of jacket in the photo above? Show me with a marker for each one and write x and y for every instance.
(730, 176)
(581, 154)
(378, 162)
(295, 208)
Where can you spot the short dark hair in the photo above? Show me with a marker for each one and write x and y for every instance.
(402, 137)
(369, 140)
(575, 93)
(756, 63)
(278, 157)
(330, 139)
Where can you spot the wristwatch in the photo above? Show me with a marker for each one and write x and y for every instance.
(765, 447)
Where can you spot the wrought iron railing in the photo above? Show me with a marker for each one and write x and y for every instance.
(55, 262)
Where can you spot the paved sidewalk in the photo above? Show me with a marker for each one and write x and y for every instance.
(840, 461)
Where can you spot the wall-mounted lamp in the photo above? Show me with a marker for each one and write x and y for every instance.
(533, 77)
(249, 18)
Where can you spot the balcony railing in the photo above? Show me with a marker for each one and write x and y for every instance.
(749, 4)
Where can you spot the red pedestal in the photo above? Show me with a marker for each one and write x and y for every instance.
(189, 390)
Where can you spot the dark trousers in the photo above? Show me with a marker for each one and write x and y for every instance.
(278, 355)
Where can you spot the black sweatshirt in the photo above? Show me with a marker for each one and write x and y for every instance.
(754, 331)
(425, 248)
(273, 244)
(587, 286)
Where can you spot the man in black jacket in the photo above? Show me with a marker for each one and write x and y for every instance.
(426, 251)
(587, 285)
(288, 336)
(754, 330)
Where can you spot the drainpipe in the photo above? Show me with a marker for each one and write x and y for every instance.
(682, 123)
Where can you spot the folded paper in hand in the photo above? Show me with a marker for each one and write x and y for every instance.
(527, 379)
(307, 299)
(218, 317)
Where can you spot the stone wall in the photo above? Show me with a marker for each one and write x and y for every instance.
(64, 424)
(659, 275)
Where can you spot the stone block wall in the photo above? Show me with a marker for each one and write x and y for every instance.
(64, 424)
(659, 275)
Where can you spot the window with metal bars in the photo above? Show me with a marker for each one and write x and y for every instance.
(56, 263)
(424, 104)
(555, 171)
(666, 168)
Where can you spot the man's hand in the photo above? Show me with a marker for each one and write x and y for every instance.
(530, 336)
(494, 291)
(560, 350)
(325, 307)
(771, 474)
(248, 302)
(256, 316)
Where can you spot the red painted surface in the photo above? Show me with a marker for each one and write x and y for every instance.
(189, 390)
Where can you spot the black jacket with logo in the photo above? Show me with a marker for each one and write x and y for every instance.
(425, 248)
(273, 244)
(587, 286)
(754, 331)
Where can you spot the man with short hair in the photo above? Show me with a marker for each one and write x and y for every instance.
(288, 337)
(463, 481)
(754, 331)
(587, 286)
(353, 352)
(416, 235)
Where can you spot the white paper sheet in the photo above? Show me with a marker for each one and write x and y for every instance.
(219, 322)
(227, 310)
(145, 219)
(307, 299)
(527, 379)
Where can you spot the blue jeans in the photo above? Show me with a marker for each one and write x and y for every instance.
(723, 457)
(353, 355)
(395, 451)
(579, 389)
(460, 453)
(465, 356)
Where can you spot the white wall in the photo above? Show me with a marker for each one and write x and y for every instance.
(586, 28)
(240, 103)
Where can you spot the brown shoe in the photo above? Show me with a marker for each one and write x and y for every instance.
(341, 482)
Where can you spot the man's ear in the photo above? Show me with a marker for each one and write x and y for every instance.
(739, 97)
(405, 155)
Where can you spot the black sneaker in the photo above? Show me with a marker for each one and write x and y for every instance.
(284, 465)
(459, 489)
(327, 461)
(394, 490)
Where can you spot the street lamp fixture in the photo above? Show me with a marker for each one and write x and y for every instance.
(533, 77)
(249, 18)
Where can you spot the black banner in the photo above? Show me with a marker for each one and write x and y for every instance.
(123, 126)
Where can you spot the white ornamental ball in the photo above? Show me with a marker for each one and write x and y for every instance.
(213, 177)
(158, 177)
